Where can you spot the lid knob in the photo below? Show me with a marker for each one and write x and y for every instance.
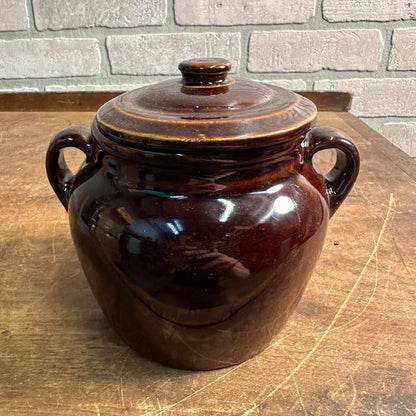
(205, 71)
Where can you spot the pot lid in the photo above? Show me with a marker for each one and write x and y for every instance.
(205, 106)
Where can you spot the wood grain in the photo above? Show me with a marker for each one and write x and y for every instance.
(349, 349)
(91, 101)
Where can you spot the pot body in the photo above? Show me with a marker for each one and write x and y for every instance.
(198, 260)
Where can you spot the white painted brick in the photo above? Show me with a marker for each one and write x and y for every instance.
(403, 52)
(308, 51)
(72, 14)
(20, 89)
(161, 53)
(109, 88)
(289, 84)
(242, 12)
(13, 15)
(403, 135)
(44, 58)
(371, 10)
(376, 97)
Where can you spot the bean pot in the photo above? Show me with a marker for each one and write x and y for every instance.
(197, 214)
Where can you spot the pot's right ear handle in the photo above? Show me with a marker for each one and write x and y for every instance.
(62, 180)
(341, 178)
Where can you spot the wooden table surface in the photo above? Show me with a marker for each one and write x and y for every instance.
(350, 349)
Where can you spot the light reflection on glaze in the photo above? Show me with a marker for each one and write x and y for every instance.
(229, 207)
(283, 205)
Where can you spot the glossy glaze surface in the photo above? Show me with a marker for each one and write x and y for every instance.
(198, 249)
(205, 278)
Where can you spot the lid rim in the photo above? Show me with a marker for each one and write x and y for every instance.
(106, 128)
(174, 143)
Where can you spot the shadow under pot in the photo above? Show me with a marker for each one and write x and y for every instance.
(198, 215)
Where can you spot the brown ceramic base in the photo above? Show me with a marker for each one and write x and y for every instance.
(205, 308)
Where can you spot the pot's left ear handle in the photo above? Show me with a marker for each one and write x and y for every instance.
(62, 180)
(341, 178)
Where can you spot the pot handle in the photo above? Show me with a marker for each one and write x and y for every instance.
(341, 178)
(62, 180)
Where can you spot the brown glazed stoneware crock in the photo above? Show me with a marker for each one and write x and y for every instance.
(198, 215)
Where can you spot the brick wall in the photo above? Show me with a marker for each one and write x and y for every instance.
(366, 46)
